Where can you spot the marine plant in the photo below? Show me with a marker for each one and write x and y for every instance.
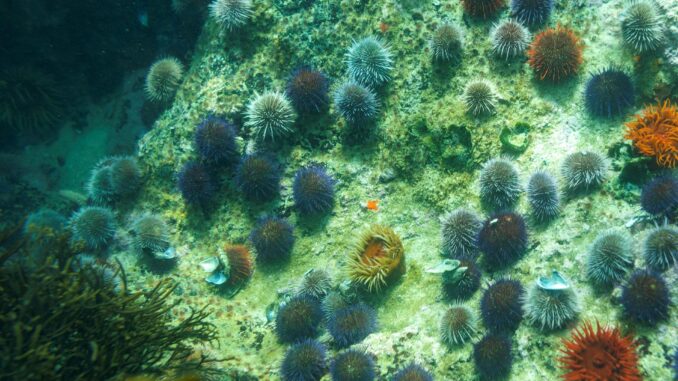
(356, 103)
(464, 285)
(499, 184)
(660, 248)
(270, 116)
(459, 232)
(479, 97)
(126, 176)
(609, 93)
(543, 196)
(195, 184)
(447, 43)
(377, 259)
(641, 27)
(660, 195)
(351, 324)
(655, 133)
(583, 170)
(297, 319)
(313, 190)
(150, 234)
(315, 283)
(94, 226)
(304, 361)
(258, 177)
(273, 239)
(550, 303)
(503, 239)
(369, 62)
(307, 90)
(413, 372)
(610, 258)
(30, 101)
(231, 14)
(555, 54)
(531, 12)
(482, 8)
(163, 79)
(509, 39)
(240, 265)
(42, 230)
(599, 354)
(458, 325)
(353, 365)
(493, 357)
(215, 141)
(501, 306)
(645, 298)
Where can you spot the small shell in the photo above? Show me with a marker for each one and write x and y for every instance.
(170, 253)
(554, 282)
(444, 266)
(210, 264)
(217, 278)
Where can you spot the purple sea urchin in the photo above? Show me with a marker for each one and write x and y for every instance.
(645, 298)
(273, 239)
(298, 319)
(307, 89)
(492, 356)
(413, 372)
(215, 141)
(304, 361)
(608, 93)
(313, 190)
(660, 195)
(258, 177)
(351, 324)
(353, 365)
(532, 12)
(195, 184)
(503, 239)
(501, 306)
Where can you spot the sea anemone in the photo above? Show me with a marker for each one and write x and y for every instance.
(463, 288)
(555, 54)
(479, 97)
(660, 195)
(413, 372)
(313, 190)
(163, 79)
(459, 232)
(600, 354)
(501, 306)
(258, 177)
(458, 325)
(660, 249)
(531, 12)
(126, 176)
(509, 39)
(353, 365)
(377, 259)
(240, 266)
(195, 184)
(304, 361)
(270, 116)
(645, 298)
(231, 14)
(499, 184)
(550, 309)
(369, 62)
(446, 43)
(350, 325)
(307, 90)
(95, 226)
(543, 197)
(482, 8)
(297, 319)
(583, 170)
(150, 234)
(215, 141)
(315, 283)
(610, 258)
(273, 239)
(98, 187)
(492, 356)
(641, 27)
(30, 101)
(655, 133)
(503, 239)
(356, 103)
(609, 93)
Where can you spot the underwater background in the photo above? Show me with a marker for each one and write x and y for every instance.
(339, 190)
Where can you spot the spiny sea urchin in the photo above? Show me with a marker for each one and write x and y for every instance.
(655, 133)
(379, 257)
(543, 196)
(351, 324)
(313, 190)
(499, 184)
(150, 234)
(660, 248)
(660, 195)
(645, 298)
(240, 266)
(503, 239)
(258, 177)
(307, 90)
(458, 325)
(599, 354)
(298, 319)
(273, 239)
(482, 8)
(493, 357)
(532, 12)
(583, 170)
(509, 39)
(369, 62)
(446, 43)
(641, 27)
(270, 116)
(550, 308)
(501, 306)
(353, 365)
(356, 103)
(195, 184)
(555, 54)
(610, 258)
(413, 372)
(304, 361)
(163, 79)
(459, 232)
(479, 97)
(231, 14)
(94, 226)
(215, 141)
(608, 93)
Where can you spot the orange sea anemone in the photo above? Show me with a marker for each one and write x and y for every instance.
(378, 258)
(600, 354)
(655, 133)
(555, 54)
(239, 264)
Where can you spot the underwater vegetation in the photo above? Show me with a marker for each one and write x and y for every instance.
(304, 361)
(447, 43)
(555, 54)
(600, 353)
(163, 79)
(655, 133)
(378, 258)
(353, 365)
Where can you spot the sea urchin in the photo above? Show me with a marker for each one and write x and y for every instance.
(555, 54)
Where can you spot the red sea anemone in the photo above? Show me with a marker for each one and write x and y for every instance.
(555, 54)
(600, 354)
(655, 133)
(378, 258)
(240, 264)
